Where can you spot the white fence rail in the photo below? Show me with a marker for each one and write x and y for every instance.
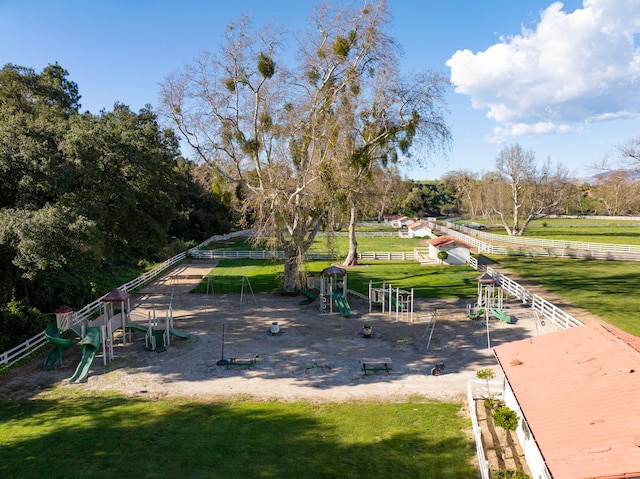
(23, 350)
(545, 243)
(472, 393)
(547, 310)
(250, 254)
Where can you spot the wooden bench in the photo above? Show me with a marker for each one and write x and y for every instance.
(376, 364)
(242, 362)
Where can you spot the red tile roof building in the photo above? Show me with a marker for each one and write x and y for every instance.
(577, 393)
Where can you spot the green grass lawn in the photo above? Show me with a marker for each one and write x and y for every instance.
(339, 244)
(111, 436)
(368, 244)
(427, 281)
(609, 289)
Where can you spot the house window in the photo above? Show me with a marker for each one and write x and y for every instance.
(526, 430)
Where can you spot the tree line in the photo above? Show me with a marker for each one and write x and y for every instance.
(84, 194)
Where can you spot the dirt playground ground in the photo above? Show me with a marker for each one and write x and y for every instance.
(316, 357)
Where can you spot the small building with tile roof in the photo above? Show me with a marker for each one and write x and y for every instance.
(418, 229)
(457, 252)
(389, 219)
(401, 221)
(576, 393)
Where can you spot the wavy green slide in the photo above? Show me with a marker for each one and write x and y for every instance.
(343, 305)
(90, 345)
(54, 358)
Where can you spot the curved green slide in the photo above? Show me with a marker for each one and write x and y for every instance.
(310, 297)
(90, 345)
(54, 358)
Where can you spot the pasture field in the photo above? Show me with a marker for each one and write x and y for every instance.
(340, 245)
(584, 230)
(606, 288)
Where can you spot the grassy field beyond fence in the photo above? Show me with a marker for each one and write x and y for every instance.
(426, 281)
(608, 289)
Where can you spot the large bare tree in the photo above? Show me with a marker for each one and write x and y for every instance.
(527, 191)
(297, 141)
(464, 183)
(618, 192)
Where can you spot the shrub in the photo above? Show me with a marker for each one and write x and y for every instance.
(506, 418)
(18, 322)
(510, 474)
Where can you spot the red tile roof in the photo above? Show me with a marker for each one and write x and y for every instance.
(579, 392)
(441, 241)
(417, 224)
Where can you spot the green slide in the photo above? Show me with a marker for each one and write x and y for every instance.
(309, 295)
(394, 303)
(179, 334)
(499, 314)
(342, 304)
(90, 345)
(135, 327)
(54, 358)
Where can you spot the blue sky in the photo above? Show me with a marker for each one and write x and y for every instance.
(560, 78)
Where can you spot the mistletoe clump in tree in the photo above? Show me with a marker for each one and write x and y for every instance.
(297, 145)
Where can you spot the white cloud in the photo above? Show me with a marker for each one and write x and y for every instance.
(500, 134)
(572, 68)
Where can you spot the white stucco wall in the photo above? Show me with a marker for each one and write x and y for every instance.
(457, 254)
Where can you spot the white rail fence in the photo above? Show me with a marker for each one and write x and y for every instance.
(251, 254)
(547, 310)
(472, 394)
(33, 344)
(545, 243)
(534, 246)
